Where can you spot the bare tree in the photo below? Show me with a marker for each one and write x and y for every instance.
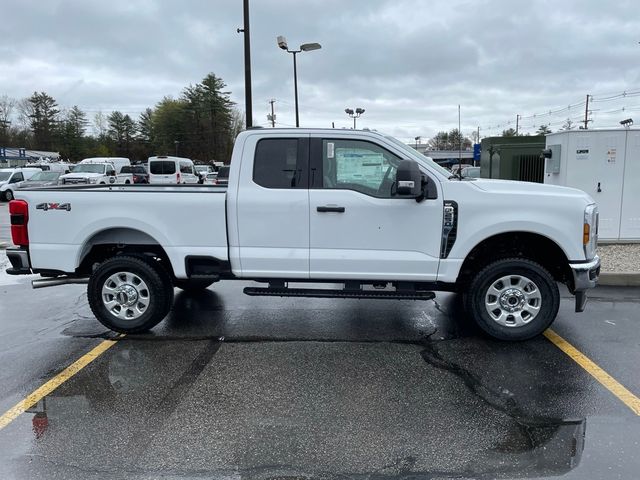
(100, 125)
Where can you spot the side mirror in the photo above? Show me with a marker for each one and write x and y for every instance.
(409, 180)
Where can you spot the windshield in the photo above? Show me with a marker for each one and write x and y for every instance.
(418, 156)
(88, 168)
(4, 176)
(45, 176)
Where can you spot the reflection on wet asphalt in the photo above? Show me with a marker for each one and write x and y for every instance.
(269, 388)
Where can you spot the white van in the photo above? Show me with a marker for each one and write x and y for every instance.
(60, 167)
(10, 179)
(98, 170)
(171, 170)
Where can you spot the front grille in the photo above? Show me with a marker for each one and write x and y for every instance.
(75, 181)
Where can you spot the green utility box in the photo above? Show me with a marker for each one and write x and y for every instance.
(513, 158)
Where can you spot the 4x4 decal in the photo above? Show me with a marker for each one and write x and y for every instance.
(54, 206)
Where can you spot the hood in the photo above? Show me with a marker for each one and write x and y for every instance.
(512, 187)
(81, 175)
(38, 183)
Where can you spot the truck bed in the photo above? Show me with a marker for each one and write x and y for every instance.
(66, 221)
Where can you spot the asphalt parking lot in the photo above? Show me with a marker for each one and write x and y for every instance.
(230, 386)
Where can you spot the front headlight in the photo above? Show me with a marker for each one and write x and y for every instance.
(590, 231)
(93, 180)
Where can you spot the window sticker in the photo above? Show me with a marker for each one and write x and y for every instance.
(330, 150)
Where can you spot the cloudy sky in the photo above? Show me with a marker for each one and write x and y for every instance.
(408, 63)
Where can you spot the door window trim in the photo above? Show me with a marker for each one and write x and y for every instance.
(316, 170)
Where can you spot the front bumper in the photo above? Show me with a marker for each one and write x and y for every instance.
(19, 259)
(585, 277)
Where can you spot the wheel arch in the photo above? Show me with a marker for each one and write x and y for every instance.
(520, 244)
(111, 242)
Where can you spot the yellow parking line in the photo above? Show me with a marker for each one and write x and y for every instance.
(44, 390)
(610, 383)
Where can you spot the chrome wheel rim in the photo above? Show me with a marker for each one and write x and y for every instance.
(513, 301)
(125, 295)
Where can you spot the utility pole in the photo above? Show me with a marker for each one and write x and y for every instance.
(586, 113)
(247, 65)
(517, 123)
(272, 117)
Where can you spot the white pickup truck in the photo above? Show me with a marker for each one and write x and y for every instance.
(98, 171)
(353, 208)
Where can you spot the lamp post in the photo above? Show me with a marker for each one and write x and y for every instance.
(176, 143)
(417, 139)
(349, 111)
(305, 47)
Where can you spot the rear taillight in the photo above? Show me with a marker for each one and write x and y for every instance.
(178, 177)
(19, 212)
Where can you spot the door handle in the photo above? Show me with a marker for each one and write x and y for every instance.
(328, 208)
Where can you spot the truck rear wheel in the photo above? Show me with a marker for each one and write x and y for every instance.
(513, 299)
(192, 285)
(130, 294)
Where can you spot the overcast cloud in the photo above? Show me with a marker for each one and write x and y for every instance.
(408, 63)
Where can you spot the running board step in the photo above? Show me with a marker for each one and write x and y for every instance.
(321, 293)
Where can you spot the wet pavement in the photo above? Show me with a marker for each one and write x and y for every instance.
(250, 387)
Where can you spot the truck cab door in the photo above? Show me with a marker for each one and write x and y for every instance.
(359, 228)
(269, 200)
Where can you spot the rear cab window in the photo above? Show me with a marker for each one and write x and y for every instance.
(281, 163)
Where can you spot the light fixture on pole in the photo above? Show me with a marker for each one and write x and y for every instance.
(417, 139)
(305, 47)
(354, 115)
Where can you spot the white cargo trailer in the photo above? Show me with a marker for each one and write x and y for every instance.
(606, 165)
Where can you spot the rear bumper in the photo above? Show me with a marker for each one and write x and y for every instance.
(19, 259)
(585, 277)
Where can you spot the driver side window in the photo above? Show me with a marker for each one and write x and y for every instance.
(359, 165)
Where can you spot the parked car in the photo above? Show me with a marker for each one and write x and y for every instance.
(456, 167)
(99, 170)
(471, 172)
(210, 179)
(223, 176)
(171, 170)
(203, 169)
(10, 179)
(295, 211)
(42, 179)
(138, 172)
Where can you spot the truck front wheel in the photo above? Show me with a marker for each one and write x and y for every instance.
(513, 299)
(129, 294)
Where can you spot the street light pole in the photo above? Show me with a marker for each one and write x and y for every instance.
(176, 143)
(247, 64)
(305, 47)
(295, 84)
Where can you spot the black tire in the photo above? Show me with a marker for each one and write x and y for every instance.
(192, 285)
(478, 300)
(8, 195)
(158, 294)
